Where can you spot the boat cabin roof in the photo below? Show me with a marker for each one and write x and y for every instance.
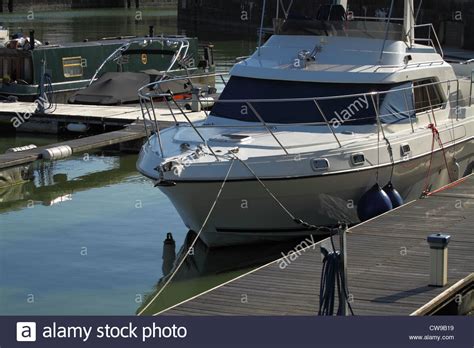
(338, 59)
(115, 41)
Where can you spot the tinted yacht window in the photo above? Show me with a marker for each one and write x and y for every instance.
(427, 95)
(351, 110)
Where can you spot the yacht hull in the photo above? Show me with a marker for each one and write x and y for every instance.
(246, 213)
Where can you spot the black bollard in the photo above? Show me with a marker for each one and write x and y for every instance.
(169, 254)
(10, 6)
(129, 3)
(1, 6)
(32, 40)
(137, 3)
(151, 31)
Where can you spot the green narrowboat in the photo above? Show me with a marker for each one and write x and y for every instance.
(65, 69)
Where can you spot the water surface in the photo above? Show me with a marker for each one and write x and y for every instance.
(86, 235)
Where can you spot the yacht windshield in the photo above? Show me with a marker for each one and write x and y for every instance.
(394, 106)
(303, 18)
(364, 29)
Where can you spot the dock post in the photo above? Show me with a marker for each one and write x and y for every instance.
(438, 259)
(32, 39)
(195, 101)
(343, 247)
(334, 274)
(40, 109)
(169, 254)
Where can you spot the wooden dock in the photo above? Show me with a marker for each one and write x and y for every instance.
(388, 267)
(126, 118)
(129, 133)
(111, 116)
(117, 115)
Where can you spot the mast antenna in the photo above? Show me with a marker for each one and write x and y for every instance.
(409, 22)
(261, 26)
(387, 27)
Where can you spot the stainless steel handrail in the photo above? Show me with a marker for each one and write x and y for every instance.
(410, 65)
(379, 19)
(153, 87)
(275, 100)
(269, 130)
(431, 30)
(184, 46)
(327, 122)
(119, 52)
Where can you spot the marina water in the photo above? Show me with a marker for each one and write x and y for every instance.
(86, 236)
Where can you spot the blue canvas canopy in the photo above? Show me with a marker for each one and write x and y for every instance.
(395, 106)
(398, 104)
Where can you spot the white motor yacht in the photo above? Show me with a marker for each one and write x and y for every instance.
(309, 129)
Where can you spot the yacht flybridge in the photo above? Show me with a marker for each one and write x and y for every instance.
(311, 127)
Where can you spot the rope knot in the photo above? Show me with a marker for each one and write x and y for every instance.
(433, 129)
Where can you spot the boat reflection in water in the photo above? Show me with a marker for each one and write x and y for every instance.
(204, 268)
(55, 182)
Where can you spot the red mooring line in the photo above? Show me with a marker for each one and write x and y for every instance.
(451, 185)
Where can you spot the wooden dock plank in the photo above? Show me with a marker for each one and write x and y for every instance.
(74, 112)
(388, 265)
(128, 116)
(80, 113)
(136, 132)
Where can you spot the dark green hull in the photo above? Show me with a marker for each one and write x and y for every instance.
(72, 66)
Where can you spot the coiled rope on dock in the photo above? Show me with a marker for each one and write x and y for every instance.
(333, 282)
(333, 270)
(232, 158)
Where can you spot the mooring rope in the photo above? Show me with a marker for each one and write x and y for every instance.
(333, 273)
(192, 244)
(332, 278)
(285, 209)
(232, 159)
(436, 138)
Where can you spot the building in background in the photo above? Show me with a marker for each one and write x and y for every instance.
(16, 6)
(453, 20)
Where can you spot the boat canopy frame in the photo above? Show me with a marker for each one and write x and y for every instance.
(152, 91)
(406, 31)
(181, 53)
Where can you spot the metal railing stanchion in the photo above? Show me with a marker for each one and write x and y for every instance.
(267, 127)
(325, 120)
(171, 110)
(196, 130)
(144, 118)
(409, 111)
(151, 91)
(431, 106)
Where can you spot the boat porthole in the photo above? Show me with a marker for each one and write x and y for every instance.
(358, 159)
(320, 164)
